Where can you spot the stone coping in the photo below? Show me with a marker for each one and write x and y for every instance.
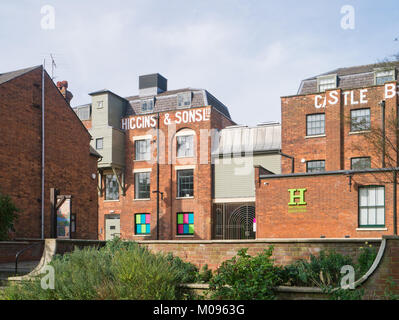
(273, 240)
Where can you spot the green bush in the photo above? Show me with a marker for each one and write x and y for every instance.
(321, 271)
(120, 270)
(365, 260)
(246, 277)
(7, 216)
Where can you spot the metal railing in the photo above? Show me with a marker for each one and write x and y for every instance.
(21, 252)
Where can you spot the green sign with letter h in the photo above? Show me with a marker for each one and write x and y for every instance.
(300, 196)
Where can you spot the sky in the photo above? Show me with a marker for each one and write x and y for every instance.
(247, 53)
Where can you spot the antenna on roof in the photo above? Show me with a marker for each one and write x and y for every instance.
(53, 66)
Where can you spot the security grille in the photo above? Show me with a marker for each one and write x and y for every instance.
(232, 221)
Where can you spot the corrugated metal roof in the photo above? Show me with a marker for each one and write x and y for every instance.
(4, 77)
(238, 139)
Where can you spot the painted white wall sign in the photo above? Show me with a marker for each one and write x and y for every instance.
(150, 121)
(331, 97)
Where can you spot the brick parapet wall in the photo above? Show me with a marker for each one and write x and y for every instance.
(286, 251)
(8, 250)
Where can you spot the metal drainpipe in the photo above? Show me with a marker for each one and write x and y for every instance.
(158, 177)
(43, 153)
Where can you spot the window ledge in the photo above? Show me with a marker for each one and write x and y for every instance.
(147, 199)
(359, 132)
(185, 236)
(372, 229)
(142, 160)
(143, 235)
(182, 198)
(315, 136)
(111, 200)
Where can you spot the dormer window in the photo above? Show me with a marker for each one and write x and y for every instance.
(184, 100)
(83, 112)
(383, 75)
(326, 82)
(147, 105)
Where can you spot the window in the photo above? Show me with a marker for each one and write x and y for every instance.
(185, 183)
(316, 166)
(185, 223)
(142, 149)
(326, 82)
(111, 187)
(147, 105)
(382, 76)
(372, 206)
(184, 99)
(142, 185)
(83, 113)
(361, 163)
(315, 124)
(100, 104)
(143, 223)
(185, 146)
(99, 143)
(360, 120)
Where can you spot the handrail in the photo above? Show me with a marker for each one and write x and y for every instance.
(21, 252)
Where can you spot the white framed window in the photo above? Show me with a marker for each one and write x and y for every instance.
(315, 124)
(185, 183)
(360, 120)
(316, 166)
(382, 76)
(185, 146)
(99, 143)
(111, 187)
(142, 149)
(142, 185)
(83, 113)
(100, 104)
(326, 82)
(184, 99)
(147, 105)
(372, 206)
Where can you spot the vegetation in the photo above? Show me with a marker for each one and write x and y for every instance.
(8, 215)
(246, 277)
(120, 270)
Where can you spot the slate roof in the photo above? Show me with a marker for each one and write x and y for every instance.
(4, 77)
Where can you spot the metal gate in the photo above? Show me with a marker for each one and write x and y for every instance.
(233, 221)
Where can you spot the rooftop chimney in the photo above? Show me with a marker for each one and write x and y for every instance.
(152, 84)
(63, 86)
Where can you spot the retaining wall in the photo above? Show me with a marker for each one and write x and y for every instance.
(286, 251)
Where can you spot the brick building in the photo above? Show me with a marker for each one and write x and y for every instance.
(339, 135)
(69, 163)
(146, 194)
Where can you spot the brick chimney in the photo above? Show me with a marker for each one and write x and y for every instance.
(63, 86)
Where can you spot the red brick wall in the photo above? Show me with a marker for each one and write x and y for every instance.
(68, 164)
(213, 253)
(201, 204)
(9, 249)
(338, 146)
(331, 210)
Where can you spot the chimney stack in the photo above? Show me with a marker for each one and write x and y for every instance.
(152, 84)
(63, 86)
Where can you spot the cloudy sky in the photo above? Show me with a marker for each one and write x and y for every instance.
(247, 53)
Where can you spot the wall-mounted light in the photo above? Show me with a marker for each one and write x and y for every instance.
(93, 176)
(303, 160)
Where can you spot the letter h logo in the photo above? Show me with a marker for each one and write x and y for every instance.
(300, 196)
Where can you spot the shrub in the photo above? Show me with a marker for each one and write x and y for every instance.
(365, 259)
(246, 277)
(321, 271)
(7, 216)
(120, 270)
